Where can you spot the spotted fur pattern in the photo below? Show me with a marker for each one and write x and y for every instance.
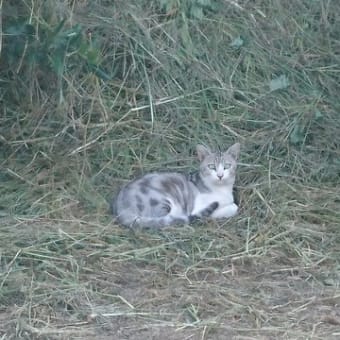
(162, 199)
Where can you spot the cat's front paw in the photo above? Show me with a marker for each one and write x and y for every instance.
(226, 211)
(233, 209)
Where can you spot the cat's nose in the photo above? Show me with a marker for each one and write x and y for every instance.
(220, 176)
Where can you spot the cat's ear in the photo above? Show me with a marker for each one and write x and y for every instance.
(234, 151)
(202, 152)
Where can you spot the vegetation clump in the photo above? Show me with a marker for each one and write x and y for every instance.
(94, 93)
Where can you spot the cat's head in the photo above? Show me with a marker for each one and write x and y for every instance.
(218, 168)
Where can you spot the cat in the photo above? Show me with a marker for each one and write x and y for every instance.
(163, 199)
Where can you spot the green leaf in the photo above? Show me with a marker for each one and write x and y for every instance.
(92, 55)
(196, 12)
(99, 72)
(59, 27)
(185, 38)
(237, 42)
(318, 115)
(54, 39)
(57, 61)
(89, 53)
(279, 83)
(297, 135)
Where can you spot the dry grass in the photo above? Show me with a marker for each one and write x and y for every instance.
(70, 139)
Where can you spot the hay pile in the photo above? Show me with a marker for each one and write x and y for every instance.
(94, 93)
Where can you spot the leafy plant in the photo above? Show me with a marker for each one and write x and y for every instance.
(49, 48)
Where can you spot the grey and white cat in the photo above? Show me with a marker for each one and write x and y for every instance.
(162, 199)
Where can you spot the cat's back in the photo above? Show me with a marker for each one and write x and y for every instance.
(155, 185)
(155, 181)
(154, 199)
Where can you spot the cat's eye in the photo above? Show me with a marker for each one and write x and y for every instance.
(212, 166)
(227, 166)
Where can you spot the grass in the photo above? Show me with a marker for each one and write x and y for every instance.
(133, 88)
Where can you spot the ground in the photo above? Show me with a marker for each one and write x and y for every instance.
(94, 93)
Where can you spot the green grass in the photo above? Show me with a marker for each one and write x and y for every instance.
(122, 88)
